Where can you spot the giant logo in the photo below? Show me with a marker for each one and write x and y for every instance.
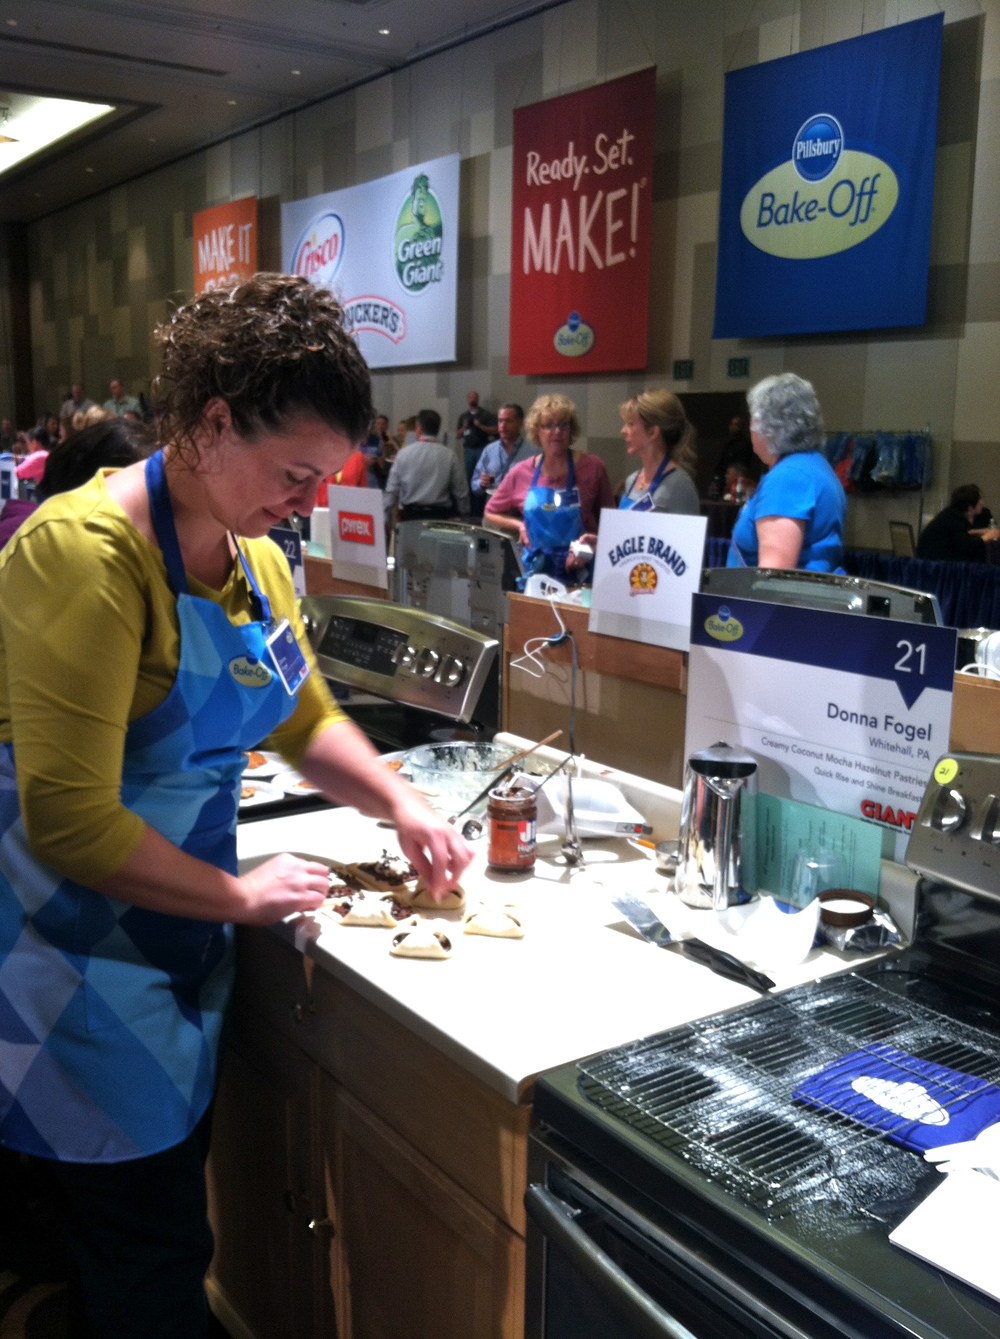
(825, 199)
(320, 249)
(419, 238)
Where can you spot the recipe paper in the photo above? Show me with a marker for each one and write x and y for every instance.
(786, 828)
(957, 1228)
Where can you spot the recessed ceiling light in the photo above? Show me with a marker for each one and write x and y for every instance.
(12, 23)
(383, 32)
(88, 169)
(32, 123)
(296, 72)
(151, 140)
(38, 195)
(230, 102)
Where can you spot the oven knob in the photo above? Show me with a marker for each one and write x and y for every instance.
(451, 673)
(986, 828)
(405, 655)
(950, 810)
(427, 663)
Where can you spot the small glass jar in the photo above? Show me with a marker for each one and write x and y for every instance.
(512, 815)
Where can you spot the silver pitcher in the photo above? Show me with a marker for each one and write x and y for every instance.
(716, 826)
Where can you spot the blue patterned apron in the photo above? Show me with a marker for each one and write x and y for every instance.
(553, 519)
(110, 1015)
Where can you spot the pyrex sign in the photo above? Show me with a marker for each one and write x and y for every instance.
(581, 228)
(356, 527)
(827, 183)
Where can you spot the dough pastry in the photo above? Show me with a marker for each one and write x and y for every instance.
(453, 900)
(247, 792)
(419, 939)
(369, 911)
(254, 759)
(389, 874)
(495, 922)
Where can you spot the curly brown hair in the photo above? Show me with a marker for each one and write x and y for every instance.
(272, 347)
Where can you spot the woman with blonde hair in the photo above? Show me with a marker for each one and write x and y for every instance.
(555, 498)
(657, 432)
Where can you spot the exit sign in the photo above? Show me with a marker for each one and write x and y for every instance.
(739, 367)
(683, 369)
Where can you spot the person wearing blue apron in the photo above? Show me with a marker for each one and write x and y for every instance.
(637, 499)
(657, 433)
(115, 969)
(553, 520)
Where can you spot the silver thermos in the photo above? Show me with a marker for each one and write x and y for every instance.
(716, 826)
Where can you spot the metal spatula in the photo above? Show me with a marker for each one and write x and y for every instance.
(642, 918)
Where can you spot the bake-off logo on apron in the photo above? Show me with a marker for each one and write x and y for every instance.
(574, 337)
(248, 671)
(723, 627)
(320, 249)
(419, 238)
(824, 199)
(642, 579)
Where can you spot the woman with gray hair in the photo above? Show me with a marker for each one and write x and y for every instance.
(796, 517)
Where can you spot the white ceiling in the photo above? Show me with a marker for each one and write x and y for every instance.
(186, 74)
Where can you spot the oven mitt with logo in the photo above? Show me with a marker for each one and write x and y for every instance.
(914, 1102)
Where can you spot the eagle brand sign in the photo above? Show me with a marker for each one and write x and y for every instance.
(827, 182)
(581, 227)
(388, 250)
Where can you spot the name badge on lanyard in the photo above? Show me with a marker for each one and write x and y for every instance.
(289, 663)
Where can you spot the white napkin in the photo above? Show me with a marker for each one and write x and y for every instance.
(957, 1228)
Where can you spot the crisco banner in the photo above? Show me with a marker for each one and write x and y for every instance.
(388, 250)
(827, 186)
(581, 227)
(225, 244)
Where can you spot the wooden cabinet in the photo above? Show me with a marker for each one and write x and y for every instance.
(362, 1184)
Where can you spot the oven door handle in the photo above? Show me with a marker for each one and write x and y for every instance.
(637, 1308)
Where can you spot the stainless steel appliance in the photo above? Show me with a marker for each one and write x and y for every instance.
(460, 571)
(716, 782)
(401, 673)
(679, 1189)
(823, 590)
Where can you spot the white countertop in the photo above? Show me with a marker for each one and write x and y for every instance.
(507, 1010)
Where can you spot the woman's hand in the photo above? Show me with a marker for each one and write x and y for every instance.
(438, 853)
(522, 535)
(572, 561)
(281, 886)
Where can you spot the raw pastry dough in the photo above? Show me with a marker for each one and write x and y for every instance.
(389, 874)
(419, 939)
(453, 899)
(369, 911)
(496, 922)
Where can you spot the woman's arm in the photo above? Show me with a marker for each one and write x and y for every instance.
(345, 767)
(779, 541)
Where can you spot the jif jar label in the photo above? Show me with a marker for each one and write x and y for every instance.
(512, 815)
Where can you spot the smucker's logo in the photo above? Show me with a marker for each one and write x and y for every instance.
(248, 671)
(419, 238)
(574, 338)
(642, 579)
(825, 199)
(722, 626)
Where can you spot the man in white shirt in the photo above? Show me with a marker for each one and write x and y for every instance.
(76, 402)
(426, 481)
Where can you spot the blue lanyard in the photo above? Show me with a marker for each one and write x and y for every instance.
(570, 475)
(665, 464)
(162, 513)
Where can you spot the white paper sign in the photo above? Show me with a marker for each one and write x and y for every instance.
(388, 251)
(357, 535)
(647, 566)
(841, 710)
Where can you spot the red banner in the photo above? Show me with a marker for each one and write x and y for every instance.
(581, 228)
(225, 244)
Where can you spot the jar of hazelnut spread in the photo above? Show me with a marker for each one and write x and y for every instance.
(512, 815)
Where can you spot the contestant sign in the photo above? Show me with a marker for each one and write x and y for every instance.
(840, 710)
(647, 567)
(388, 251)
(581, 225)
(827, 186)
(289, 541)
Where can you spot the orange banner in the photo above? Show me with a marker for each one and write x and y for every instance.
(225, 244)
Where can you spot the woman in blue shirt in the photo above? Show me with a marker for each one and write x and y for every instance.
(796, 517)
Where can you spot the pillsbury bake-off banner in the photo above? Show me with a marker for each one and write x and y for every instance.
(827, 186)
(388, 251)
(580, 229)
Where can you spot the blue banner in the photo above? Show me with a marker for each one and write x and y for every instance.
(827, 186)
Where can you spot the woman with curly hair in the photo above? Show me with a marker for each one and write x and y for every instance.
(556, 498)
(126, 708)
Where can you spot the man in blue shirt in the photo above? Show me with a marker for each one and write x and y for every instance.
(498, 458)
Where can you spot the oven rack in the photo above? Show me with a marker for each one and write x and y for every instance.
(719, 1092)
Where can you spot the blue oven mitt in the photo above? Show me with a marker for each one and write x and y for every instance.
(914, 1102)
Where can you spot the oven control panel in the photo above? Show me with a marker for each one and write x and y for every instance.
(956, 836)
(400, 653)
